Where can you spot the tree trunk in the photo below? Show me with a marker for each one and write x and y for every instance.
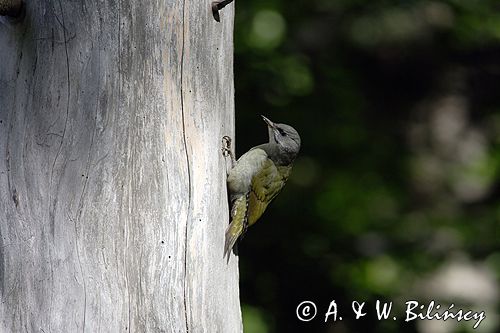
(112, 183)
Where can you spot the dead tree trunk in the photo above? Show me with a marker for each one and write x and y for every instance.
(112, 184)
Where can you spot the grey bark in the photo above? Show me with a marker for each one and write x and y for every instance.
(112, 183)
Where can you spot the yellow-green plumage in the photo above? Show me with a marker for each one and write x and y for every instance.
(258, 177)
(265, 187)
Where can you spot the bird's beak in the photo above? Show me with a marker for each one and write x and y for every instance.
(268, 122)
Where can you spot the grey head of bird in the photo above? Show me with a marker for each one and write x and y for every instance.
(287, 140)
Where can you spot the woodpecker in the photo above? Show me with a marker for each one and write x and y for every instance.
(257, 177)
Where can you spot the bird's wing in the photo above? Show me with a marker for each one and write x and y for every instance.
(265, 186)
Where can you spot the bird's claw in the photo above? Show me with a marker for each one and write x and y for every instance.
(226, 145)
(226, 149)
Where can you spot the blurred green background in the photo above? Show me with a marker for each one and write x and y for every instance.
(395, 195)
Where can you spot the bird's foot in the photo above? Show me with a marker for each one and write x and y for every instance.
(226, 149)
(226, 145)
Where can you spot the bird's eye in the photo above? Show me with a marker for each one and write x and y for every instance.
(281, 132)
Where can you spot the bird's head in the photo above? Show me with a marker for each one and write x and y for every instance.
(285, 136)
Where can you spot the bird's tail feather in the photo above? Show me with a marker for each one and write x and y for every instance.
(232, 233)
(239, 217)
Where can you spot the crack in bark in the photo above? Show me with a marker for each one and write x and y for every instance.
(75, 221)
(125, 231)
(82, 194)
(68, 95)
(59, 150)
(188, 164)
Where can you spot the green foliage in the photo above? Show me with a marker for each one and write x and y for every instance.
(398, 106)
